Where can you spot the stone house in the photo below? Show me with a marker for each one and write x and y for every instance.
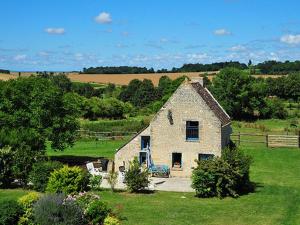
(190, 126)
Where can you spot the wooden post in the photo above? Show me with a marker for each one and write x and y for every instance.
(267, 140)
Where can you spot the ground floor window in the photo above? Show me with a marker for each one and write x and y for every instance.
(203, 156)
(143, 158)
(176, 160)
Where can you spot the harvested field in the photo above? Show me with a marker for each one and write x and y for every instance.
(122, 79)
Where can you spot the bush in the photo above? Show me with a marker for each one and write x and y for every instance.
(83, 199)
(110, 220)
(27, 202)
(225, 176)
(6, 163)
(95, 182)
(274, 109)
(97, 211)
(136, 178)
(10, 211)
(40, 174)
(55, 209)
(68, 180)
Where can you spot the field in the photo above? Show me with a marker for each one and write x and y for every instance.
(120, 79)
(275, 201)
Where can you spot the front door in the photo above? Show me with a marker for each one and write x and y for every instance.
(145, 142)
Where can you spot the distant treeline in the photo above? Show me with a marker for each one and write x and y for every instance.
(4, 71)
(267, 67)
(275, 67)
(117, 70)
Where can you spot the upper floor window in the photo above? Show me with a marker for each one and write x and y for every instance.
(192, 130)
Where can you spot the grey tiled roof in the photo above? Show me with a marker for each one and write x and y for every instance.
(212, 103)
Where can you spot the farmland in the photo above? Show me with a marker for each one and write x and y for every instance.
(121, 79)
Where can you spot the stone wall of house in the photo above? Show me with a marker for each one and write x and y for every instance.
(168, 133)
(130, 150)
(166, 138)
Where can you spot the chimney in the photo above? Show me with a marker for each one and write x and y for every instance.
(197, 80)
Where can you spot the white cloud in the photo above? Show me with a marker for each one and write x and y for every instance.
(20, 57)
(238, 48)
(103, 18)
(57, 31)
(291, 39)
(222, 32)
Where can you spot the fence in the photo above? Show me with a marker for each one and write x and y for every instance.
(113, 135)
(270, 140)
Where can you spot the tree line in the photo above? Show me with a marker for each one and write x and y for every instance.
(267, 67)
(4, 71)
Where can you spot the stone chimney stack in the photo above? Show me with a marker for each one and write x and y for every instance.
(197, 80)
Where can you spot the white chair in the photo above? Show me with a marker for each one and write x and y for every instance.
(92, 170)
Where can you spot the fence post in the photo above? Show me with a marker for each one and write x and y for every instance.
(267, 140)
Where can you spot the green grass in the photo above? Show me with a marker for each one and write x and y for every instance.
(275, 201)
(271, 126)
(90, 148)
(11, 194)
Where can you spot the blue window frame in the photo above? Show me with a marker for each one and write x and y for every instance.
(192, 130)
(202, 156)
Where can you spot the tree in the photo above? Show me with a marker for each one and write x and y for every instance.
(32, 111)
(234, 91)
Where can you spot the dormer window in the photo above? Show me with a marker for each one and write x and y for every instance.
(192, 130)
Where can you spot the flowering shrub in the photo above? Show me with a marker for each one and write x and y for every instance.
(95, 182)
(56, 209)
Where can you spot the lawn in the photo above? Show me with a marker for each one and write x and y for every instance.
(275, 201)
(91, 148)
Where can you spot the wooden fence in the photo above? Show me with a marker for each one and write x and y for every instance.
(114, 135)
(270, 140)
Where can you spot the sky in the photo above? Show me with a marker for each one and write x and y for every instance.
(66, 35)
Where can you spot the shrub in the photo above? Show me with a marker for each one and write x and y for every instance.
(68, 180)
(225, 176)
(110, 220)
(84, 198)
(27, 202)
(10, 211)
(6, 162)
(95, 182)
(112, 179)
(136, 178)
(54, 209)
(40, 174)
(97, 211)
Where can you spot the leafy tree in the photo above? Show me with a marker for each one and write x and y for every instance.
(6, 163)
(32, 111)
(233, 89)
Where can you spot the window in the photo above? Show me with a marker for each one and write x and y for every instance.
(202, 156)
(192, 130)
(143, 158)
(176, 160)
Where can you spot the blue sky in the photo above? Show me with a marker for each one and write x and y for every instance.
(72, 34)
